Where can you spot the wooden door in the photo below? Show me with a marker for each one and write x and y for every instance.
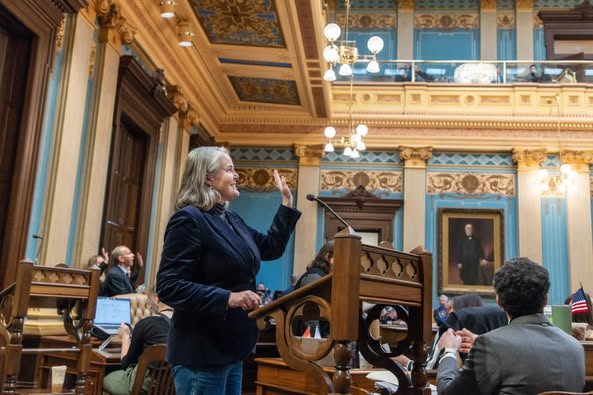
(128, 160)
(15, 48)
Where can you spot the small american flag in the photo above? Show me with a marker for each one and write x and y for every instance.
(579, 303)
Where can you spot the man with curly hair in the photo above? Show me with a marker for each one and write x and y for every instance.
(527, 356)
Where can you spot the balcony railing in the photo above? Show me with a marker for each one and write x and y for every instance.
(476, 72)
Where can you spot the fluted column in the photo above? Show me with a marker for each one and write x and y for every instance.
(529, 202)
(100, 126)
(415, 159)
(405, 29)
(488, 33)
(524, 28)
(578, 213)
(308, 182)
(66, 139)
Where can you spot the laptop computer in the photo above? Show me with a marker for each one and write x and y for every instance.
(111, 313)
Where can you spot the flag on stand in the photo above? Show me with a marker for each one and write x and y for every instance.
(579, 303)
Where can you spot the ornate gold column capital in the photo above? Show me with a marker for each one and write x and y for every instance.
(488, 5)
(528, 160)
(578, 160)
(309, 155)
(415, 157)
(176, 96)
(524, 5)
(406, 5)
(115, 30)
(188, 118)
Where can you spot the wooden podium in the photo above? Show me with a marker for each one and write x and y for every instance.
(379, 276)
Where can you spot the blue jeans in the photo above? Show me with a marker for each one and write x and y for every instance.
(225, 380)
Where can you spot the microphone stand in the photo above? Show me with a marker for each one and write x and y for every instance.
(311, 197)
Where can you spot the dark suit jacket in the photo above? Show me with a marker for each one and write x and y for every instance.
(205, 258)
(478, 319)
(116, 283)
(525, 357)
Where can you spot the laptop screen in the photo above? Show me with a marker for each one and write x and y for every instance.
(112, 311)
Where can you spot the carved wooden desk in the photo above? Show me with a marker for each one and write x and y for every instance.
(275, 378)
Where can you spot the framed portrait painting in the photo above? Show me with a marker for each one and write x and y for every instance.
(471, 245)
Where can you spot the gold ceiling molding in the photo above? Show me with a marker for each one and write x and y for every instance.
(446, 21)
(524, 5)
(368, 21)
(528, 160)
(406, 5)
(189, 118)
(262, 179)
(111, 18)
(309, 155)
(505, 21)
(371, 180)
(471, 183)
(488, 5)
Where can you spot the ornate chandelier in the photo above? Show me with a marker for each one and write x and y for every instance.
(345, 53)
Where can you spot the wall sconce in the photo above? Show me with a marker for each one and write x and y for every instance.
(345, 52)
(167, 9)
(184, 34)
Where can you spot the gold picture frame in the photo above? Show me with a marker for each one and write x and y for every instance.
(483, 251)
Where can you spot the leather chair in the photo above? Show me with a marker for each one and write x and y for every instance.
(152, 365)
(139, 305)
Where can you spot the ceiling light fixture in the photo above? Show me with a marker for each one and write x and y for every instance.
(184, 34)
(167, 9)
(345, 53)
(557, 184)
(353, 143)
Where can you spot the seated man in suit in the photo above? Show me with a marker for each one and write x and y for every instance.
(527, 356)
(118, 281)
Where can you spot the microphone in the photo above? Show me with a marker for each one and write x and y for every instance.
(38, 247)
(311, 198)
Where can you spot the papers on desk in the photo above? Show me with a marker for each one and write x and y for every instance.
(386, 380)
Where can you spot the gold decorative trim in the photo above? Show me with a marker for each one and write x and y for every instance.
(188, 118)
(309, 155)
(60, 34)
(505, 21)
(92, 59)
(528, 160)
(262, 179)
(368, 21)
(488, 5)
(524, 5)
(176, 96)
(554, 187)
(406, 5)
(579, 160)
(537, 22)
(471, 183)
(447, 21)
(109, 13)
(371, 180)
(415, 157)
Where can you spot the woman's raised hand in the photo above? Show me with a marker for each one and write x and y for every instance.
(283, 188)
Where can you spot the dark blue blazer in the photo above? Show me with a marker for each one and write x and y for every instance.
(204, 258)
(116, 283)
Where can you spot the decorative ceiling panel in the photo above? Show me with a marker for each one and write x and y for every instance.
(369, 4)
(556, 3)
(264, 90)
(240, 22)
(505, 4)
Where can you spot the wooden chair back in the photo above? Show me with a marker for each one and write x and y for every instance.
(72, 291)
(155, 371)
(361, 273)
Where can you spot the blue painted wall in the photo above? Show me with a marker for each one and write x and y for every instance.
(506, 44)
(257, 210)
(555, 248)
